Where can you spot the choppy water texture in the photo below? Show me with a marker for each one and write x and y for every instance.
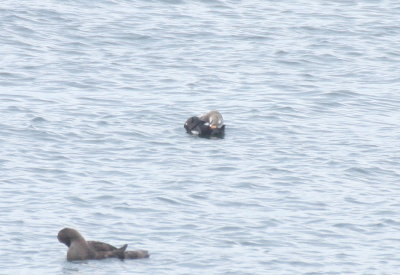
(94, 95)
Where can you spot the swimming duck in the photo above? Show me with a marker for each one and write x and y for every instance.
(80, 249)
(210, 124)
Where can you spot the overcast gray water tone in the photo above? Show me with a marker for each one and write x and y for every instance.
(93, 97)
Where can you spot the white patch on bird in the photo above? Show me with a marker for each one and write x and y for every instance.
(195, 132)
(206, 124)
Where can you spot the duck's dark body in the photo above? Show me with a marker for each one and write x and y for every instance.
(80, 249)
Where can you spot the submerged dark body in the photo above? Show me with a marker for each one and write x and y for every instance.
(80, 249)
(196, 126)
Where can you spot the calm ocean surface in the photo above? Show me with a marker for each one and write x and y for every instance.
(93, 97)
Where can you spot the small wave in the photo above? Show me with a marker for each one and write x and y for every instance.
(38, 120)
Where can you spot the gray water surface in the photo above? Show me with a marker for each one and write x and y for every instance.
(93, 97)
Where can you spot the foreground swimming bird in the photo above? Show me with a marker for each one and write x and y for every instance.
(210, 124)
(80, 249)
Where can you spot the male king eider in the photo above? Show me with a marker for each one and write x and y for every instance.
(210, 124)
